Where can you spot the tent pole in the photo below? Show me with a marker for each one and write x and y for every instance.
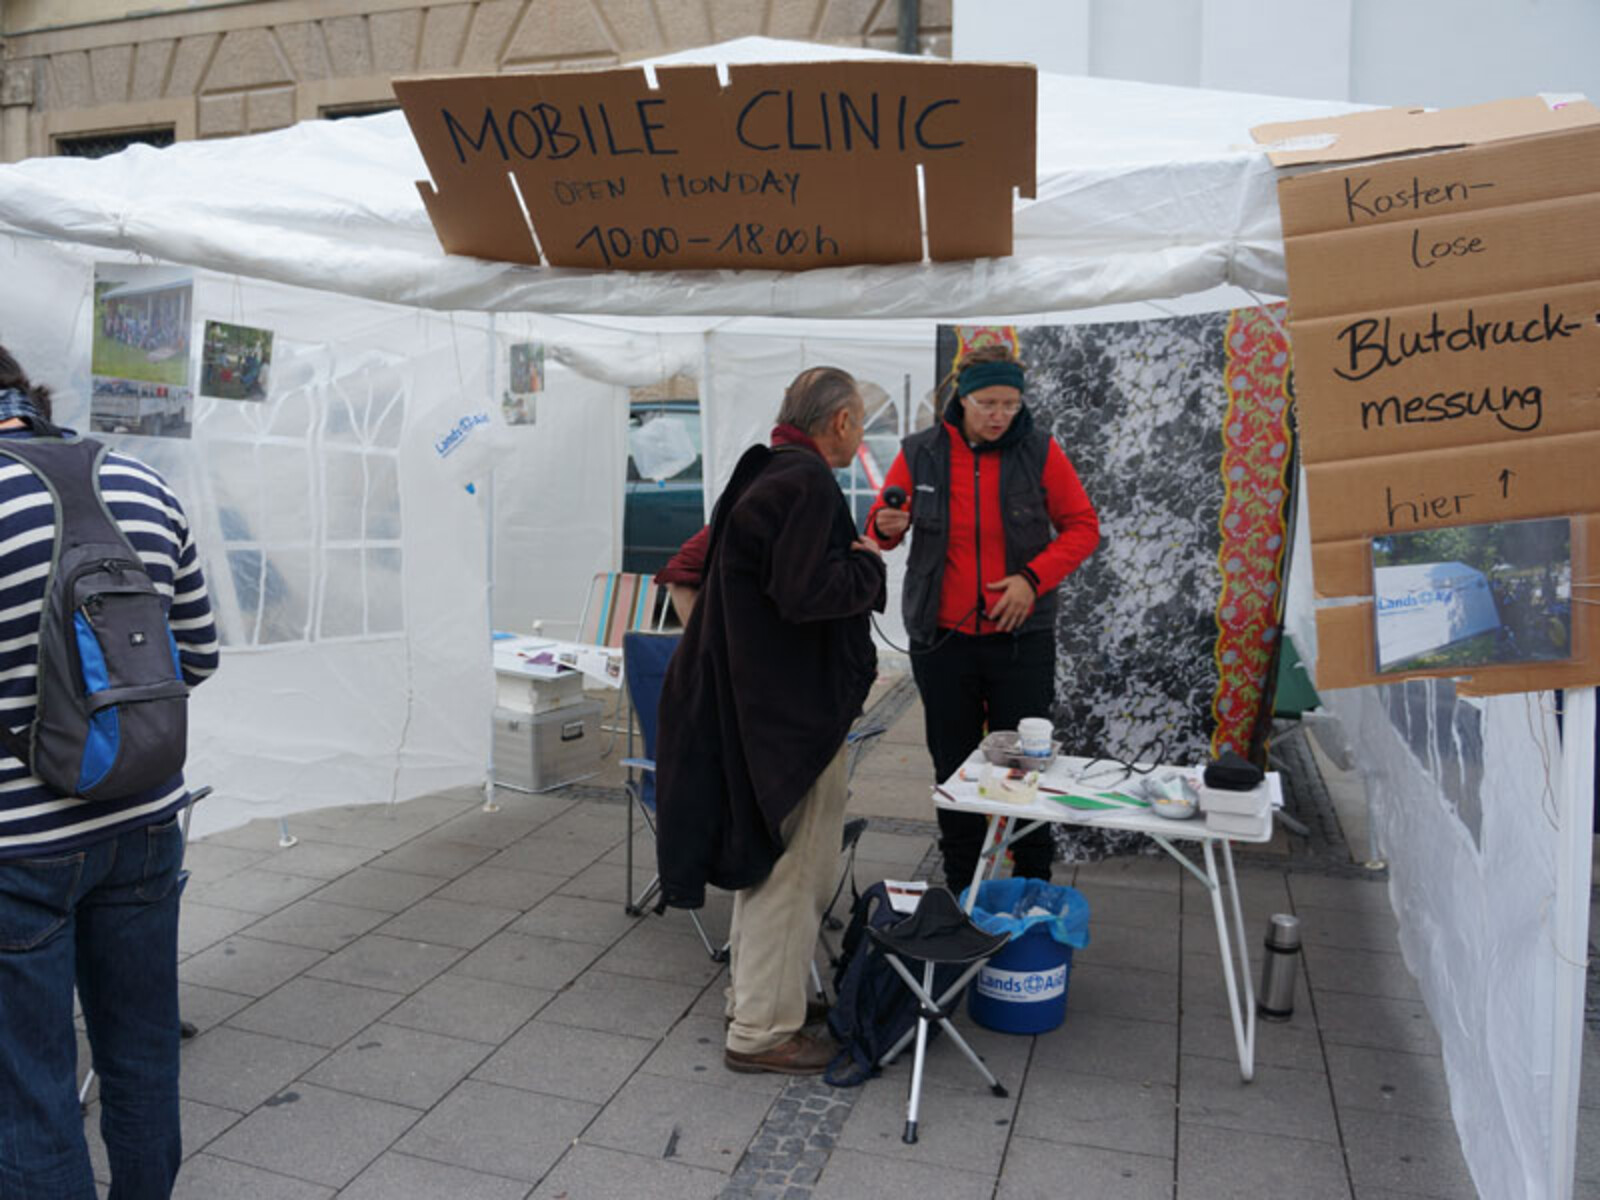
(489, 804)
(1570, 929)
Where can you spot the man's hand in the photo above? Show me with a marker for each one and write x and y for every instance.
(891, 522)
(1014, 603)
(868, 545)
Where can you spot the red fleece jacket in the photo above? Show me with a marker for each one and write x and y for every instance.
(977, 488)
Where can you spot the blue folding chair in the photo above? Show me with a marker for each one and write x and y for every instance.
(644, 667)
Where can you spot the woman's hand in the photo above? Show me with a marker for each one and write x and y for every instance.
(1014, 603)
(890, 523)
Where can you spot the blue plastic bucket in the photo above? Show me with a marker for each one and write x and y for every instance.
(1023, 989)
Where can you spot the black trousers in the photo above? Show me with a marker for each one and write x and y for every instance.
(971, 686)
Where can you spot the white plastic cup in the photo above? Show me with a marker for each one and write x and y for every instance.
(1033, 737)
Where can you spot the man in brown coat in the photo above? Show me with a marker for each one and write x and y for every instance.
(774, 666)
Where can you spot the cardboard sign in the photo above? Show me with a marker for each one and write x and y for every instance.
(1445, 313)
(786, 167)
(1401, 130)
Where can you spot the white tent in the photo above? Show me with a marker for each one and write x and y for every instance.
(1427, 606)
(349, 558)
(1143, 191)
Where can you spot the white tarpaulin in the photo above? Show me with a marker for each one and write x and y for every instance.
(1143, 191)
(350, 570)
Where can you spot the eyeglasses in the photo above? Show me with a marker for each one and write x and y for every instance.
(1008, 407)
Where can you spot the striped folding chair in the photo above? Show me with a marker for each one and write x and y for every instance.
(620, 602)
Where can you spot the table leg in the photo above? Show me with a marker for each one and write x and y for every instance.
(986, 858)
(1241, 1009)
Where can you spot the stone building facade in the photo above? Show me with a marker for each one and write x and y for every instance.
(84, 75)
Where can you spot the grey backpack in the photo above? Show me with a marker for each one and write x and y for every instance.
(112, 712)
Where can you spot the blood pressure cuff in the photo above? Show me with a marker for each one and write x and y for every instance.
(1231, 773)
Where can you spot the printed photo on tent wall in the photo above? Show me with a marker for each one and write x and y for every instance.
(525, 375)
(527, 368)
(1473, 595)
(235, 361)
(518, 408)
(140, 360)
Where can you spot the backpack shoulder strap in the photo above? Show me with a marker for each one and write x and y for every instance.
(69, 468)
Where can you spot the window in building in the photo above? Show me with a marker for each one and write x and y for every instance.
(98, 145)
(337, 112)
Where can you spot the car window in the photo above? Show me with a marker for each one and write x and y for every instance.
(685, 432)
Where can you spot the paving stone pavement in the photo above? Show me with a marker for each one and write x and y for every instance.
(432, 1000)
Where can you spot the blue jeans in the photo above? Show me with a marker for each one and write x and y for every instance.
(103, 918)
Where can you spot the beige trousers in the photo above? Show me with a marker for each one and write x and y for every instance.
(774, 933)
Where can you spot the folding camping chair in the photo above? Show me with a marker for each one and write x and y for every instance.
(937, 933)
(620, 603)
(644, 667)
(186, 1029)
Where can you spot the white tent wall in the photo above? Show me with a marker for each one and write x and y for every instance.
(1468, 809)
(558, 496)
(1476, 922)
(346, 567)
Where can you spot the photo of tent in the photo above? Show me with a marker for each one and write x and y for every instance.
(1428, 606)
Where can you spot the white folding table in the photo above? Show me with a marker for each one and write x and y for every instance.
(1089, 781)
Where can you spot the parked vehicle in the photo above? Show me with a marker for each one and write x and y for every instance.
(129, 406)
(659, 515)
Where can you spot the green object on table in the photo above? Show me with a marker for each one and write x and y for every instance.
(1107, 801)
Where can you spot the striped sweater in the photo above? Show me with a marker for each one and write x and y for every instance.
(34, 821)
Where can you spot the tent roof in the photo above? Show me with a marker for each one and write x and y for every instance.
(1144, 192)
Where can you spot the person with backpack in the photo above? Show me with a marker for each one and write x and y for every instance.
(775, 664)
(104, 625)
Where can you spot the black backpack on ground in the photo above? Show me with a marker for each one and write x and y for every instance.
(873, 1008)
(112, 711)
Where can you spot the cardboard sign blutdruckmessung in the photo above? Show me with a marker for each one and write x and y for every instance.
(786, 167)
(1445, 314)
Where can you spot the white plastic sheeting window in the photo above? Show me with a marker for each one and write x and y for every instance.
(307, 493)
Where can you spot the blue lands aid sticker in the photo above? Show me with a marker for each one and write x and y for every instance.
(1022, 985)
(457, 434)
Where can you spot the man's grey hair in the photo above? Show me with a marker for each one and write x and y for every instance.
(814, 397)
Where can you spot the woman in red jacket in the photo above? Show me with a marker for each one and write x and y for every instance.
(999, 519)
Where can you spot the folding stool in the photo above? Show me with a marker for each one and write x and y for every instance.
(937, 933)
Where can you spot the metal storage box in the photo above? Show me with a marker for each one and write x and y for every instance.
(534, 752)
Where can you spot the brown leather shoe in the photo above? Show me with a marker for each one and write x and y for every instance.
(801, 1054)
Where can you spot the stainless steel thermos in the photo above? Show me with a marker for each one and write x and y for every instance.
(1275, 1000)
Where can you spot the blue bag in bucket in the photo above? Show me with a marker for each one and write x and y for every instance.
(1023, 989)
